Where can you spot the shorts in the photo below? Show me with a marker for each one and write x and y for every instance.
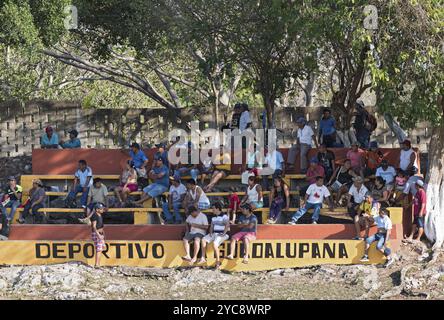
(99, 244)
(203, 206)
(244, 235)
(216, 238)
(257, 204)
(133, 187)
(353, 211)
(419, 221)
(191, 236)
(363, 219)
(226, 172)
(155, 189)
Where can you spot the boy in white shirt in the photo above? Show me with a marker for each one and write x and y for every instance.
(384, 225)
(220, 225)
(196, 229)
(175, 198)
(314, 198)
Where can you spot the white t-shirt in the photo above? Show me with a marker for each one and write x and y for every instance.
(200, 219)
(385, 222)
(358, 196)
(244, 120)
(388, 175)
(317, 194)
(305, 135)
(219, 222)
(177, 192)
(83, 175)
(404, 159)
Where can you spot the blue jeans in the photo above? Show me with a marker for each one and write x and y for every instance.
(317, 210)
(363, 137)
(380, 238)
(176, 207)
(194, 173)
(155, 189)
(13, 204)
(72, 194)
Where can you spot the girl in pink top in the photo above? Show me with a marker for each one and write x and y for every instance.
(356, 157)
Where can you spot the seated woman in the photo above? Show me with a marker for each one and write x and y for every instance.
(357, 159)
(380, 193)
(400, 184)
(128, 182)
(279, 199)
(253, 194)
(341, 180)
(222, 168)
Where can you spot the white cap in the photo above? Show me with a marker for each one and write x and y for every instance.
(420, 183)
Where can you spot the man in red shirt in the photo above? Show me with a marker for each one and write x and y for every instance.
(419, 211)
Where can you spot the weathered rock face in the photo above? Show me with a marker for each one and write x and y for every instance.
(407, 278)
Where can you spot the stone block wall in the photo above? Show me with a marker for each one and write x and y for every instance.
(22, 125)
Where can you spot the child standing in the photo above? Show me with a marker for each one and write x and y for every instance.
(234, 204)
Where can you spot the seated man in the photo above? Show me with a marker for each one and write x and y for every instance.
(247, 233)
(388, 173)
(314, 198)
(98, 193)
(159, 174)
(326, 159)
(83, 180)
(175, 198)
(50, 140)
(356, 196)
(274, 165)
(12, 198)
(384, 225)
(196, 229)
(314, 170)
(36, 201)
(73, 141)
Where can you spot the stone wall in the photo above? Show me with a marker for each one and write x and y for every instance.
(21, 126)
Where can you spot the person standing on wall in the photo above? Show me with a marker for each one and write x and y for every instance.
(305, 136)
(327, 129)
(364, 125)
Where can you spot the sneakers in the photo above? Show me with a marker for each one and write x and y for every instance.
(314, 222)
(364, 258)
(357, 238)
(389, 262)
(291, 222)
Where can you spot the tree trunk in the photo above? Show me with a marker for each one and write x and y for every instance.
(434, 221)
(269, 108)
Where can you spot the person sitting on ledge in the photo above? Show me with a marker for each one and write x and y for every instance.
(195, 196)
(314, 197)
(36, 201)
(128, 183)
(12, 198)
(355, 197)
(175, 199)
(83, 180)
(73, 141)
(356, 157)
(253, 194)
(50, 140)
(139, 159)
(196, 229)
(220, 225)
(98, 193)
(247, 233)
(160, 175)
(384, 225)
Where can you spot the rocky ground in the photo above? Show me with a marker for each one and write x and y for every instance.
(416, 274)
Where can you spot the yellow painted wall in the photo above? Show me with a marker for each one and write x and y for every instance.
(267, 255)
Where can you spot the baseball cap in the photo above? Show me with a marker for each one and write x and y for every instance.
(175, 178)
(74, 132)
(420, 183)
(38, 181)
(135, 145)
(161, 145)
(384, 161)
(301, 120)
(314, 160)
(246, 206)
(48, 129)
(99, 205)
(10, 178)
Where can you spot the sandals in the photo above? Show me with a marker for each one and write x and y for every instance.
(245, 260)
(186, 258)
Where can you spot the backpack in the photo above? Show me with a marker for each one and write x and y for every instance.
(370, 122)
